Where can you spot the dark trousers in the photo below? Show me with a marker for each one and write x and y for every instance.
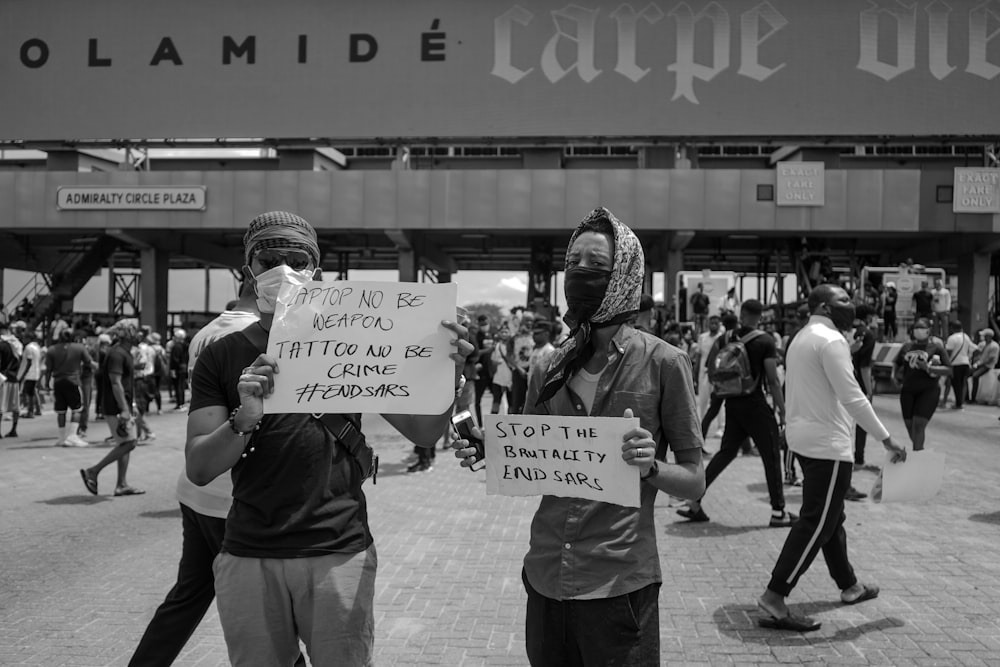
(959, 374)
(180, 613)
(623, 630)
(518, 393)
(750, 417)
(482, 384)
(714, 405)
(860, 436)
(820, 526)
(890, 325)
(180, 385)
(977, 372)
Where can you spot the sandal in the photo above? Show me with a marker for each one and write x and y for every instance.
(128, 491)
(789, 622)
(88, 481)
(867, 593)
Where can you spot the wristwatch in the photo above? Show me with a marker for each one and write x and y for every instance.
(653, 470)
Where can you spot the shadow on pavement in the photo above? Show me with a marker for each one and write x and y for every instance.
(740, 621)
(707, 529)
(75, 500)
(986, 518)
(162, 514)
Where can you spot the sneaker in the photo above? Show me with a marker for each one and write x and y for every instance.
(75, 441)
(854, 495)
(784, 521)
(419, 466)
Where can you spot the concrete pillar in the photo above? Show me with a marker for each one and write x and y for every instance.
(673, 264)
(974, 290)
(155, 264)
(408, 268)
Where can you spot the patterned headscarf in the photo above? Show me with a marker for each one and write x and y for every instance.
(621, 300)
(280, 229)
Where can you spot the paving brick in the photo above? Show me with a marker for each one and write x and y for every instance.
(82, 576)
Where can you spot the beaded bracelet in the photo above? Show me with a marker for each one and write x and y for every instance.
(232, 423)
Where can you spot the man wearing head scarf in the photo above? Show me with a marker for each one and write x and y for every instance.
(117, 378)
(592, 572)
(298, 558)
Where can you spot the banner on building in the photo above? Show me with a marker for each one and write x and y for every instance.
(382, 69)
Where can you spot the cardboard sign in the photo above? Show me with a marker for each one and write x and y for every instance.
(353, 346)
(570, 457)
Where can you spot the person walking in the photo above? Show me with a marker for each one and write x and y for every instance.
(10, 395)
(941, 307)
(64, 367)
(203, 524)
(503, 363)
(29, 374)
(178, 368)
(889, 311)
(298, 559)
(118, 378)
(749, 415)
(959, 348)
(921, 362)
(824, 400)
(484, 362)
(592, 571)
(862, 346)
(985, 361)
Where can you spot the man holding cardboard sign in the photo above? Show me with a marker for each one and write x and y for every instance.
(592, 572)
(297, 559)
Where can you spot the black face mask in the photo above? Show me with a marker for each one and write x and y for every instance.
(585, 290)
(842, 316)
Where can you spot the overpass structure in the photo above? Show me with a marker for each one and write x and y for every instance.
(756, 138)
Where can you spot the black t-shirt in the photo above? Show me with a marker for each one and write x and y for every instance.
(761, 347)
(116, 360)
(922, 301)
(298, 494)
(917, 379)
(863, 356)
(699, 303)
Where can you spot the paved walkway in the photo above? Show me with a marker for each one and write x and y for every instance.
(81, 576)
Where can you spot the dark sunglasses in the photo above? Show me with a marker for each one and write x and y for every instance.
(297, 260)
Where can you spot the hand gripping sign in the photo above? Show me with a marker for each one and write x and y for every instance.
(363, 346)
(571, 457)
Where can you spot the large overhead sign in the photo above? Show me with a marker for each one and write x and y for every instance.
(363, 69)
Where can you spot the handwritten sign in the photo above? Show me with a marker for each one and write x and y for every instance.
(570, 457)
(353, 346)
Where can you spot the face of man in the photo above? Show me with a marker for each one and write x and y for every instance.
(527, 322)
(713, 325)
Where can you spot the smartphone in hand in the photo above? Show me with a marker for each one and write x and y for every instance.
(463, 422)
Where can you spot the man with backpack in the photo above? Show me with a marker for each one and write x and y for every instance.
(746, 359)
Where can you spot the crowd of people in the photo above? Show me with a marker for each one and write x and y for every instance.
(273, 507)
(68, 366)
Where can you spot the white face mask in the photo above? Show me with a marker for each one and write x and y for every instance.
(268, 284)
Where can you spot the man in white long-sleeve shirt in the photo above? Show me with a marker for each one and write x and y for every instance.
(824, 402)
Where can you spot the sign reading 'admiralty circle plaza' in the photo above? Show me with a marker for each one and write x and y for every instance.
(530, 68)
